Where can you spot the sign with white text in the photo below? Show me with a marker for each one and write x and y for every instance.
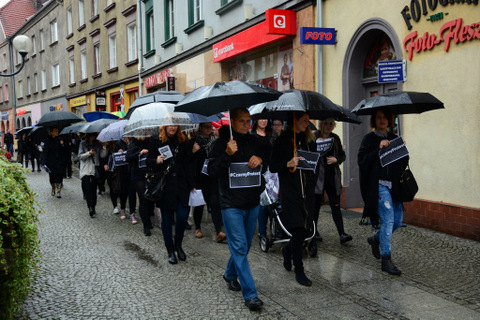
(392, 71)
(119, 159)
(242, 176)
(395, 151)
(309, 161)
(323, 146)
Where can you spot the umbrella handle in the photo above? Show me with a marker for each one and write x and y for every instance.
(292, 170)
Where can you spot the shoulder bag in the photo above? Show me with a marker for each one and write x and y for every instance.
(155, 182)
(408, 187)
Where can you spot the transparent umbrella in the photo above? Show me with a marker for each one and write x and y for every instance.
(146, 120)
(113, 132)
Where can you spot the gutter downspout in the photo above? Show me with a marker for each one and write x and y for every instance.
(319, 50)
(140, 46)
(14, 93)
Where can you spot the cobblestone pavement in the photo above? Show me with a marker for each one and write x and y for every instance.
(105, 268)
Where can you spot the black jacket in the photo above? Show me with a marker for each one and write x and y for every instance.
(242, 198)
(370, 170)
(54, 155)
(337, 152)
(296, 189)
(133, 150)
(179, 177)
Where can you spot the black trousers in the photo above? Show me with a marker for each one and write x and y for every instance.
(146, 206)
(334, 201)
(296, 245)
(89, 187)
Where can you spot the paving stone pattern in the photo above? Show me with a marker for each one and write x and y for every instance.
(105, 268)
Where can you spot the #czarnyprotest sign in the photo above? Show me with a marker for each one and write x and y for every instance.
(395, 151)
(309, 161)
(142, 161)
(323, 146)
(242, 176)
(165, 151)
(119, 159)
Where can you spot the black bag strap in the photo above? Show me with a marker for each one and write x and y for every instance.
(172, 162)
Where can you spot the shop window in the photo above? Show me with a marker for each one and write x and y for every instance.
(381, 50)
(115, 102)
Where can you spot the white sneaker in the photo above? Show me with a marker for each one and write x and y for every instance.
(116, 211)
(132, 219)
(122, 215)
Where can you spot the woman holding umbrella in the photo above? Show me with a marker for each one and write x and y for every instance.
(54, 159)
(296, 189)
(379, 187)
(179, 183)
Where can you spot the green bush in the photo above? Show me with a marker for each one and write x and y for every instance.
(19, 245)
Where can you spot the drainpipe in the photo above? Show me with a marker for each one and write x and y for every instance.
(319, 50)
(140, 46)
(14, 93)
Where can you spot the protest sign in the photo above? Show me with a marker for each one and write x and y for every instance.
(119, 159)
(242, 176)
(323, 146)
(205, 167)
(142, 160)
(395, 150)
(309, 161)
(165, 151)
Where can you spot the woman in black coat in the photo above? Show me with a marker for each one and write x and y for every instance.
(179, 183)
(330, 177)
(23, 151)
(54, 159)
(379, 187)
(296, 190)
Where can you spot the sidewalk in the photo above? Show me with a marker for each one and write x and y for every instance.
(105, 268)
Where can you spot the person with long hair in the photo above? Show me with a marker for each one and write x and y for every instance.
(179, 184)
(296, 189)
(89, 153)
(329, 178)
(54, 160)
(380, 187)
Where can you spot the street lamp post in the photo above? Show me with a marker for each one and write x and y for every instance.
(23, 45)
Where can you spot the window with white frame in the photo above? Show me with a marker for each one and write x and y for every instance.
(112, 50)
(20, 89)
(34, 46)
(150, 43)
(71, 66)
(5, 91)
(53, 31)
(44, 79)
(171, 16)
(83, 64)
(55, 75)
(69, 21)
(35, 82)
(132, 41)
(81, 13)
(197, 10)
(29, 86)
(94, 8)
(42, 40)
(96, 59)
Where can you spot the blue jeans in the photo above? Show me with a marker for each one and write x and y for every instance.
(180, 223)
(262, 221)
(391, 218)
(240, 228)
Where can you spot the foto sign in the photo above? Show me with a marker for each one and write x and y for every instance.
(310, 35)
(281, 21)
(392, 71)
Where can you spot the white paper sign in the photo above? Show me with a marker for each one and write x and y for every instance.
(165, 151)
(196, 198)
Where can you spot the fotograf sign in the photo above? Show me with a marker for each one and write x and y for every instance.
(392, 71)
(310, 35)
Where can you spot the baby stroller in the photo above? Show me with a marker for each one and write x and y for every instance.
(276, 231)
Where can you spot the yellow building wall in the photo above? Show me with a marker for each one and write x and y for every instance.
(444, 144)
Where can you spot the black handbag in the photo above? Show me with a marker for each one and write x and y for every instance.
(155, 182)
(408, 187)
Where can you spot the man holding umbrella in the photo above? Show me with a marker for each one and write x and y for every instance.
(240, 206)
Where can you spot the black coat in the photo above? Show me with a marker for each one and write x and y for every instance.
(337, 152)
(179, 178)
(201, 181)
(242, 198)
(370, 169)
(296, 189)
(54, 155)
(133, 151)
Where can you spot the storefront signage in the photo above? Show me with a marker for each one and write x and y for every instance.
(170, 83)
(158, 78)
(281, 21)
(56, 107)
(79, 101)
(392, 71)
(419, 7)
(451, 31)
(100, 98)
(4, 115)
(250, 39)
(310, 35)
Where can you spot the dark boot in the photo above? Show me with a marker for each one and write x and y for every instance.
(172, 259)
(53, 189)
(59, 189)
(178, 247)
(91, 211)
(287, 257)
(388, 266)
(375, 244)
(301, 277)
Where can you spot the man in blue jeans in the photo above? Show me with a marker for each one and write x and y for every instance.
(240, 206)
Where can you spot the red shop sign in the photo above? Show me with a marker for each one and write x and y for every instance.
(281, 21)
(244, 41)
(158, 78)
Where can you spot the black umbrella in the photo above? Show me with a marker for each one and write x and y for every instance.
(223, 96)
(58, 119)
(159, 96)
(400, 102)
(26, 130)
(96, 126)
(74, 128)
(318, 106)
(38, 134)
